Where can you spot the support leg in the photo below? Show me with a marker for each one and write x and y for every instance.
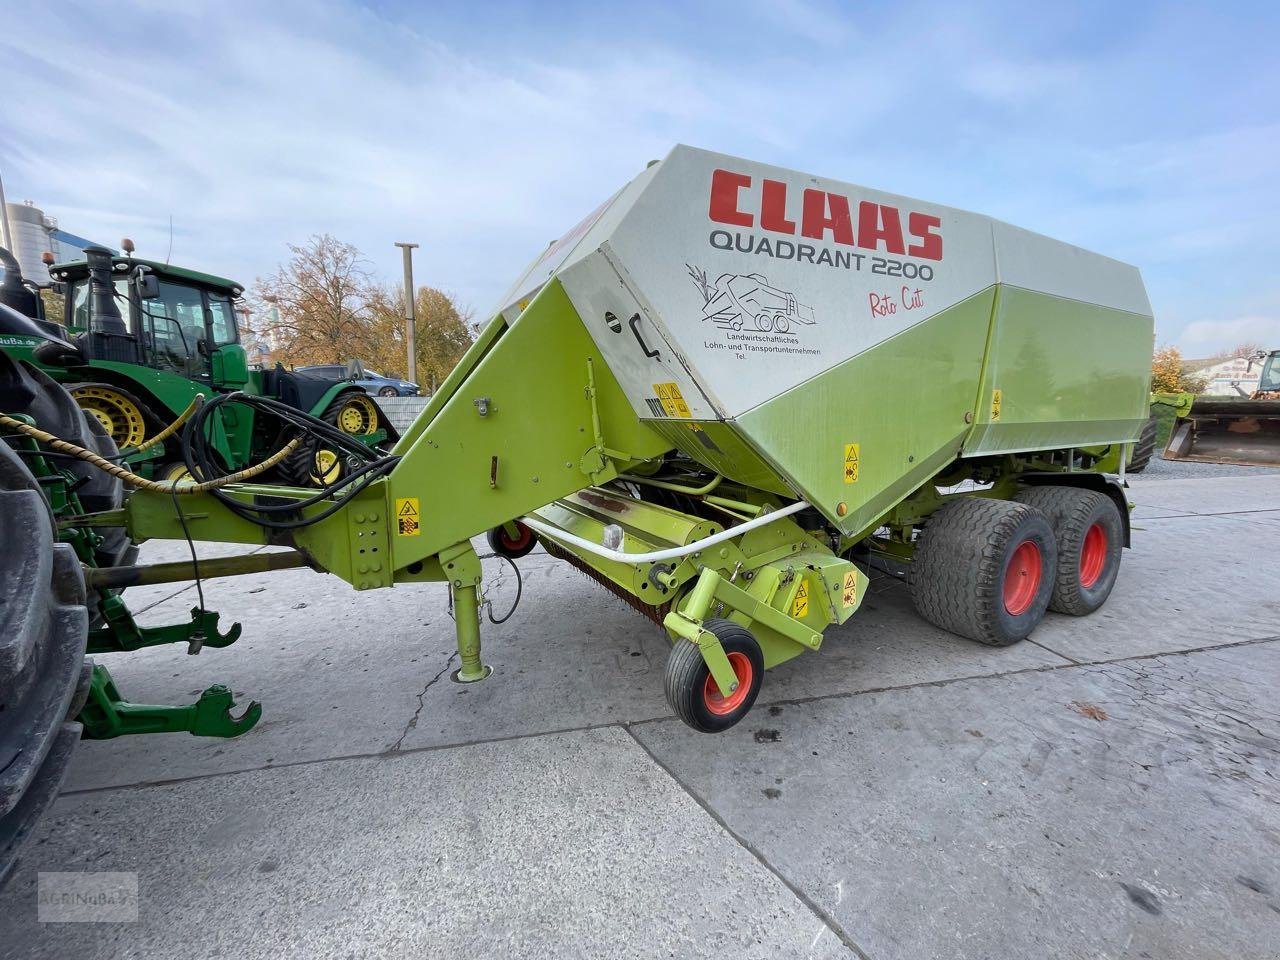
(466, 614)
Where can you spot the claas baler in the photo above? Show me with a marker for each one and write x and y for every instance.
(727, 395)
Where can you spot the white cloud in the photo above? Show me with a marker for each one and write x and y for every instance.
(257, 124)
(1205, 336)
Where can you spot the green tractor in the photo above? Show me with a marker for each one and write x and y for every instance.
(144, 341)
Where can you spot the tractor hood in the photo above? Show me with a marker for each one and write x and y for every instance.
(17, 330)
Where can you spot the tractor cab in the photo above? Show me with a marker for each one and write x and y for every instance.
(128, 310)
(1269, 380)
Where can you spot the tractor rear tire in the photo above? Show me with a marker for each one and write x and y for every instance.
(44, 677)
(1145, 448)
(695, 696)
(1090, 537)
(984, 569)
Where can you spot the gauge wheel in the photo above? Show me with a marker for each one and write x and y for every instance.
(502, 543)
(694, 694)
(120, 413)
(357, 414)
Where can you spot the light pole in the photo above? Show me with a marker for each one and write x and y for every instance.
(410, 314)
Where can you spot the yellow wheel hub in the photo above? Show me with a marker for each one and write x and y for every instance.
(119, 416)
(173, 471)
(358, 415)
(328, 467)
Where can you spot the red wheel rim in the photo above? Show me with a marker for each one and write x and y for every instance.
(520, 542)
(1093, 555)
(721, 705)
(1022, 578)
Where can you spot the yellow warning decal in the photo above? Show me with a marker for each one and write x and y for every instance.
(672, 400)
(851, 460)
(800, 605)
(997, 397)
(849, 596)
(407, 515)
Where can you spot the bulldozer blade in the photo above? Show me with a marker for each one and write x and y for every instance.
(1228, 430)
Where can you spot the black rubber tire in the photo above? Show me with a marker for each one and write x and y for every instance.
(388, 392)
(116, 549)
(26, 389)
(1072, 512)
(296, 469)
(504, 546)
(43, 630)
(1142, 451)
(958, 572)
(686, 677)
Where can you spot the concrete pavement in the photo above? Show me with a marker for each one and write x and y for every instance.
(1108, 788)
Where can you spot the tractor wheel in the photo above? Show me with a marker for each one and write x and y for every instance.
(317, 465)
(116, 549)
(122, 414)
(693, 693)
(356, 414)
(984, 569)
(173, 471)
(1090, 537)
(1145, 448)
(43, 675)
(501, 543)
(27, 390)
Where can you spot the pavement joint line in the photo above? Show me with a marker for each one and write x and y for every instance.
(665, 718)
(1048, 649)
(367, 755)
(829, 921)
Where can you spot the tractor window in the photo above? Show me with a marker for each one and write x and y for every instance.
(175, 325)
(1270, 379)
(222, 320)
(80, 303)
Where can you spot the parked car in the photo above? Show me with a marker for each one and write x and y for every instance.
(373, 383)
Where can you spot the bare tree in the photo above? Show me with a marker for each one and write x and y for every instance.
(322, 299)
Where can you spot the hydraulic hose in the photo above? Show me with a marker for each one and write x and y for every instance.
(142, 482)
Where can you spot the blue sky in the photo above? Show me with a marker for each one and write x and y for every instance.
(1149, 132)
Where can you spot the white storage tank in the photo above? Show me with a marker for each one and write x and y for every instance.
(30, 230)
